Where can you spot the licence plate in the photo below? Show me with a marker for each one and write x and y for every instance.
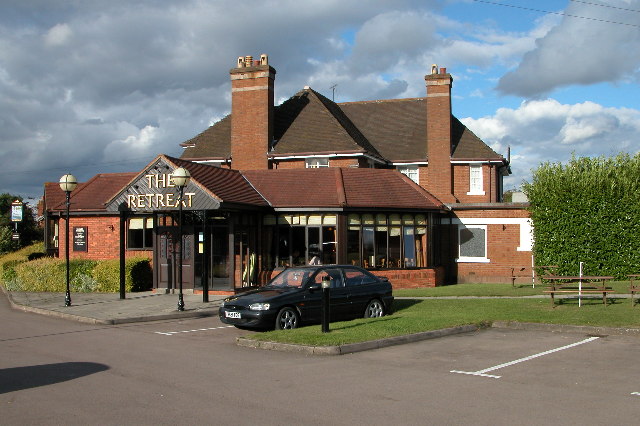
(229, 314)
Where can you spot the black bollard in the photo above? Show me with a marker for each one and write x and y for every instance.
(326, 297)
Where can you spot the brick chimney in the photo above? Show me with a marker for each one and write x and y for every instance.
(439, 169)
(251, 113)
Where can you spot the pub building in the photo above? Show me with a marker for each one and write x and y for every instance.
(399, 187)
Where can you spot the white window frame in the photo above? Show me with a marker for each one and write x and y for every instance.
(473, 259)
(316, 162)
(412, 172)
(476, 180)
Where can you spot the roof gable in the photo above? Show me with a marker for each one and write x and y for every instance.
(153, 190)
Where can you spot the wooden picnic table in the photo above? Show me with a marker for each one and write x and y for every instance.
(634, 286)
(591, 284)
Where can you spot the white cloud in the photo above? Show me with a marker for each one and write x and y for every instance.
(58, 35)
(540, 131)
(580, 51)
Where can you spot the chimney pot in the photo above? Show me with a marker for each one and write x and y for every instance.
(264, 59)
(443, 70)
(434, 69)
(240, 62)
(248, 61)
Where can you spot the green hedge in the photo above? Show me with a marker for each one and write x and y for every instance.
(138, 275)
(9, 261)
(587, 211)
(49, 274)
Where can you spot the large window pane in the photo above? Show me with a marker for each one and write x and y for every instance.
(298, 246)
(409, 247)
(329, 245)
(315, 251)
(283, 247)
(368, 251)
(381, 246)
(395, 251)
(219, 252)
(353, 245)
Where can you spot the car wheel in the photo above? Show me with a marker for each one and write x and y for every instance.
(375, 309)
(287, 319)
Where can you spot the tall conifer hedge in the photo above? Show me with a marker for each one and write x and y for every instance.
(587, 210)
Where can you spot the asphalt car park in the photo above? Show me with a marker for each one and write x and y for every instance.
(534, 377)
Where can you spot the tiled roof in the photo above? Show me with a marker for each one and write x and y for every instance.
(88, 196)
(213, 143)
(398, 128)
(228, 186)
(308, 122)
(340, 188)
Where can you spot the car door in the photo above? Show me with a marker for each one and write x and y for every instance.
(339, 302)
(361, 287)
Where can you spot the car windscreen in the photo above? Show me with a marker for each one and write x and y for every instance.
(291, 278)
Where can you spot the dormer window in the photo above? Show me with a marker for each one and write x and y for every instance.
(411, 172)
(316, 163)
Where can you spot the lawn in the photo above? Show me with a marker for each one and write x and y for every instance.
(413, 316)
(620, 287)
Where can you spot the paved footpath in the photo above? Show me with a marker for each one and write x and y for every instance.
(108, 308)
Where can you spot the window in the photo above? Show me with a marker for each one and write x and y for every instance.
(316, 163)
(140, 233)
(411, 172)
(476, 186)
(472, 243)
(384, 241)
(299, 239)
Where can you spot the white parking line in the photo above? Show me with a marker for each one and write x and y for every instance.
(486, 370)
(635, 393)
(171, 333)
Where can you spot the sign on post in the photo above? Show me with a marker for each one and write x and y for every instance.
(16, 211)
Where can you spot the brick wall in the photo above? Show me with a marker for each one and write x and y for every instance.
(504, 239)
(439, 174)
(252, 111)
(103, 238)
(413, 278)
(333, 162)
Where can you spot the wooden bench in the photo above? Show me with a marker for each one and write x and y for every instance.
(634, 287)
(570, 285)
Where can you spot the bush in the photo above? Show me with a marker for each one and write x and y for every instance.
(587, 210)
(45, 274)
(138, 275)
(49, 274)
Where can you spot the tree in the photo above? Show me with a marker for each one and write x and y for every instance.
(587, 211)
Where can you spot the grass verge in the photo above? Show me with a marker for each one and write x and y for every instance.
(413, 316)
(493, 290)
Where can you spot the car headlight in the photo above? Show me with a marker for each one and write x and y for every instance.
(259, 306)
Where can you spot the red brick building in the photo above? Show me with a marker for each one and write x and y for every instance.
(400, 187)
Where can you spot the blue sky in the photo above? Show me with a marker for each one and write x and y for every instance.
(88, 86)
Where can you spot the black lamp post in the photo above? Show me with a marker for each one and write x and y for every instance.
(180, 178)
(68, 183)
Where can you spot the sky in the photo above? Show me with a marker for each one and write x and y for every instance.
(94, 86)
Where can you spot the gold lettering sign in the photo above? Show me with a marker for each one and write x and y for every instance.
(159, 201)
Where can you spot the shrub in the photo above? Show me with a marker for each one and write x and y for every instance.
(46, 274)
(587, 210)
(138, 276)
